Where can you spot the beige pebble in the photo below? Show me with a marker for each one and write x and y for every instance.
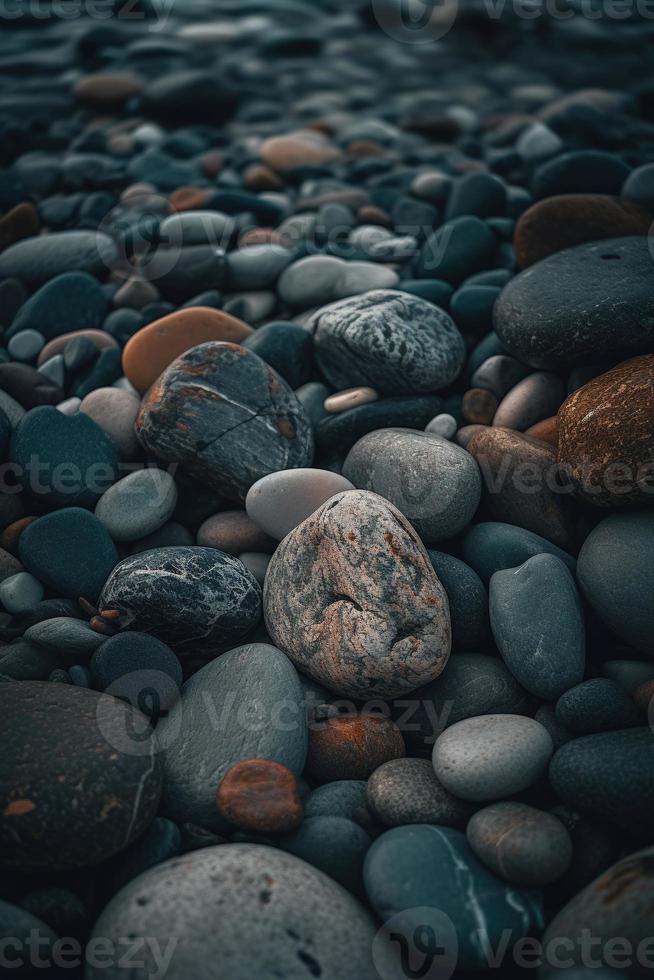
(349, 398)
(115, 411)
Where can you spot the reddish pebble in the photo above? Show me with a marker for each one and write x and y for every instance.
(546, 431)
(352, 746)
(259, 177)
(233, 532)
(479, 406)
(369, 214)
(261, 796)
(190, 198)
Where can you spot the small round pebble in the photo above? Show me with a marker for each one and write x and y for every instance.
(138, 504)
(260, 795)
(443, 425)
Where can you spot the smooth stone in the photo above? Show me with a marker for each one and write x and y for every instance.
(22, 221)
(25, 345)
(138, 504)
(614, 571)
(341, 401)
(69, 551)
(22, 930)
(30, 387)
(256, 562)
(65, 634)
(38, 260)
(478, 406)
(597, 705)
(341, 798)
(189, 95)
(639, 186)
(483, 195)
(22, 661)
(492, 756)
(239, 694)
(410, 870)
(69, 406)
(536, 397)
(100, 339)
(406, 791)
(181, 273)
(8, 565)
(55, 371)
(351, 745)
(335, 845)
(11, 408)
(629, 674)
(115, 411)
(338, 433)
(606, 440)
(306, 148)
(72, 301)
(277, 503)
(458, 249)
(310, 281)
(151, 350)
(107, 90)
(436, 291)
(569, 308)
(239, 419)
(197, 228)
(561, 222)
(197, 600)
(20, 592)
(170, 534)
(233, 531)
(538, 623)
(277, 912)
(499, 374)
(492, 546)
(521, 844)
(344, 585)
(161, 841)
(471, 685)
(390, 341)
(256, 266)
(77, 790)
(131, 663)
(471, 307)
(588, 171)
(468, 600)
(443, 425)
(260, 796)
(558, 732)
(286, 347)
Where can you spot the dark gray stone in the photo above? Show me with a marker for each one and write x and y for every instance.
(597, 705)
(37, 260)
(335, 845)
(468, 600)
(493, 545)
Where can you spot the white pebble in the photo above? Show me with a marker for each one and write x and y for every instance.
(442, 425)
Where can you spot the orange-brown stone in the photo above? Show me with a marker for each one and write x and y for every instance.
(261, 796)
(284, 153)
(479, 406)
(190, 198)
(547, 431)
(108, 89)
(352, 746)
(152, 349)
(606, 436)
(258, 177)
(21, 222)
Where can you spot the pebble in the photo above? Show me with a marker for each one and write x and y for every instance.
(351, 746)
(639, 186)
(590, 171)
(331, 600)
(492, 756)
(20, 592)
(341, 401)
(115, 411)
(139, 660)
(257, 563)
(194, 599)
(339, 432)
(151, 350)
(443, 425)
(491, 546)
(36, 261)
(197, 228)
(286, 347)
(279, 502)
(478, 406)
(499, 374)
(521, 844)
(233, 531)
(537, 620)
(25, 345)
(100, 339)
(406, 791)
(391, 341)
(468, 600)
(241, 693)
(261, 796)
(457, 250)
(334, 845)
(138, 504)
(341, 798)
(74, 792)
(596, 705)
(433, 482)
(65, 634)
(536, 397)
(284, 153)
(215, 388)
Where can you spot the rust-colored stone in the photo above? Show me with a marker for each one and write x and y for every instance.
(479, 406)
(370, 214)
(11, 535)
(352, 746)
(258, 177)
(573, 219)
(606, 435)
(21, 222)
(284, 153)
(262, 236)
(547, 431)
(190, 198)
(108, 89)
(261, 796)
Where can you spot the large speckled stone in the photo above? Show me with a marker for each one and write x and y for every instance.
(352, 598)
(227, 417)
(606, 436)
(198, 600)
(241, 911)
(80, 777)
(247, 704)
(394, 342)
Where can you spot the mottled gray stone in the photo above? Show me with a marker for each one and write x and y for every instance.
(198, 600)
(36, 261)
(391, 341)
(404, 791)
(352, 598)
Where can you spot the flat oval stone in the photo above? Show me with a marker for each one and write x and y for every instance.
(521, 844)
(76, 788)
(569, 308)
(341, 798)
(20, 592)
(615, 573)
(99, 338)
(37, 260)
(152, 349)
(277, 503)
(242, 695)
(284, 153)
(226, 417)
(115, 411)
(494, 545)
(606, 436)
(197, 228)
(234, 532)
(468, 600)
(492, 756)
(536, 397)
(138, 504)
(275, 909)
(195, 599)
(390, 341)
(337, 433)
(425, 867)
(65, 634)
(344, 585)
(538, 624)
(597, 705)
(405, 791)
(135, 659)
(340, 401)
(433, 482)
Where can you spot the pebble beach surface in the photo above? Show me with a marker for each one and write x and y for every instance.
(327, 499)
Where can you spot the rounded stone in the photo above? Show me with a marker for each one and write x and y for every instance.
(351, 746)
(442, 425)
(536, 397)
(64, 634)
(493, 545)
(234, 532)
(99, 338)
(499, 374)
(284, 153)
(133, 653)
(20, 592)
(230, 711)
(405, 791)
(615, 573)
(468, 600)
(81, 776)
(597, 705)
(341, 401)
(336, 434)
(276, 913)
(277, 503)
(115, 411)
(261, 796)
(335, 845)
(36, 261)
(492, 756)
(387, 340)
(538, 623)
(287, 347)
(432, 481)
(198, 600)
(197, 228)
(340, 798)
(106, 90)
(138, 504)
(521, 844)
(226, 417)
(151, 350)
(25, 345)
(352, 598)
(569, 309)
(606, 436)
(478, 406)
